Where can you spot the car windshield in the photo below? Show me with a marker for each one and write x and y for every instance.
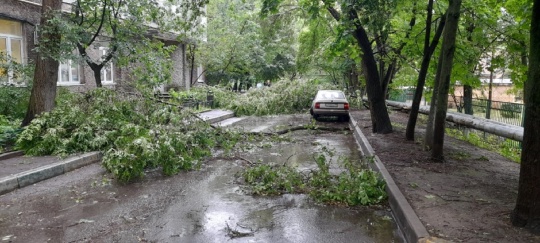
(330, 95)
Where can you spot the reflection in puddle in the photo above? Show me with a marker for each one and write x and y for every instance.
(301, 152)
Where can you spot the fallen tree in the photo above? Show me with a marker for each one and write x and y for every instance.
(481, 124)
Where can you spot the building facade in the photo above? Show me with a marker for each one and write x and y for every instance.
(18, 38)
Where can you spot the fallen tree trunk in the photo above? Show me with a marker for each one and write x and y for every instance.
(482, 124)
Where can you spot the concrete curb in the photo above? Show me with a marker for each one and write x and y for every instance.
(30, 177)
(407, 220)
(222, 115)
(10, 155)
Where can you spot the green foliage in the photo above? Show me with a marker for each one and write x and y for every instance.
(153, 64)
(14, 101)
(356, 186)
(15, 87)
(222, 96)
(13, 73)
(268, 180)
(9, 131)
(506, 148)
(251, 49)
(285, 97)
(133, 132)
(125, 33)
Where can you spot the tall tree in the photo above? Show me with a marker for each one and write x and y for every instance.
(428, 137)
(251, 47)
(527, 210)
(43, 90)
(429, 49)
(376, 95)
(347, 13)
(448, 49)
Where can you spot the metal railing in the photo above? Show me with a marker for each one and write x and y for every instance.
(504, 112)
(191, 102)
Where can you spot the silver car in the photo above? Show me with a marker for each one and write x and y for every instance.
(330, 103)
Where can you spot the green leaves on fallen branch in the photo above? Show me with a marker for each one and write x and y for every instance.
(134, 133)
(355, 186)
(283, 97)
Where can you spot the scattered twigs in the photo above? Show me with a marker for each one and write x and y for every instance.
(302, 127)
(236, 157)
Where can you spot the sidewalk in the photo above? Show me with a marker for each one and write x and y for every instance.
(19, 171)
(467, 198)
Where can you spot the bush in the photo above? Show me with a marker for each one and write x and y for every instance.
(134, 133)
(14, 101)
(8, 133)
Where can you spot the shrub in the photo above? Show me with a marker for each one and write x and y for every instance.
(8, 133)
(14, 101)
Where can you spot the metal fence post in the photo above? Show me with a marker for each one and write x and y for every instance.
(210, 98)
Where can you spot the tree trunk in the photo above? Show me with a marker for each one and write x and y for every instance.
(388, 77)
(467, 99)
(468, 89)
(527, 210)
(422, 74)
(381, 120)
(448, 48)
(43, 91)
(354, 82)
(428, 140)
(379, 113)
(478, 123)
(96, 69)
(490, 94)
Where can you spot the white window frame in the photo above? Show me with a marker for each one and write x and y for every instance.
(9, 38)
(71, 81)
(105, 79)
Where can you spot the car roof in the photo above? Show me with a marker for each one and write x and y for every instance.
(324, 93)
(330, 90)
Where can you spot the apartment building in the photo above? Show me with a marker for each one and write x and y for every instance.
(18, 37)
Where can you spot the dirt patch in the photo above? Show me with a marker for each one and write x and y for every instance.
(466, 199)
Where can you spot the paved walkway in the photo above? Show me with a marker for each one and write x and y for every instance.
(18, 164)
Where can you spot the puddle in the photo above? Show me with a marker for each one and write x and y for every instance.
(301, 153)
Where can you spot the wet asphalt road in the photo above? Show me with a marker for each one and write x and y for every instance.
(208, 205)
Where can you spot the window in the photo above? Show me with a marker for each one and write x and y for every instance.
(107, 73)
(11, 49)
(68, 73)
